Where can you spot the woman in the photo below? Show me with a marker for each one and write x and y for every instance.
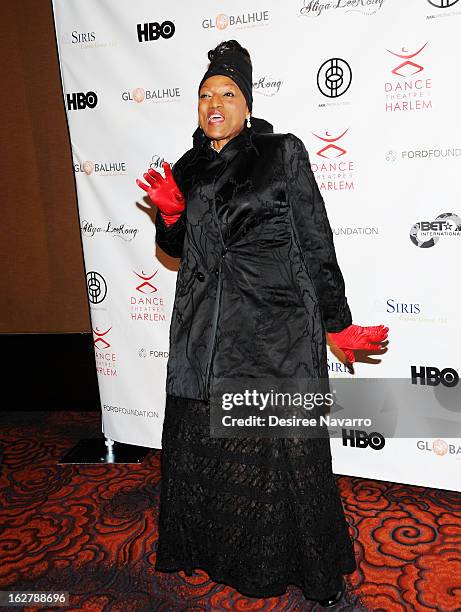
(258, 287)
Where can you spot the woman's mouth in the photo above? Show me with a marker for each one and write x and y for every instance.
(215, 118)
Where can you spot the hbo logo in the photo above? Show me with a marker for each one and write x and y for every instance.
(153, 31)
(361, 439)
(77, 101)
(433, 376)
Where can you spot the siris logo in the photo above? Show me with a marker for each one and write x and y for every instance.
(393, 306)
(360, 439)
(80, 100)
(155, 30)
(433, 376)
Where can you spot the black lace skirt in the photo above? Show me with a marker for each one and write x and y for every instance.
(255, 514)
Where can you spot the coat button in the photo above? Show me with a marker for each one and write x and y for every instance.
(200, 276)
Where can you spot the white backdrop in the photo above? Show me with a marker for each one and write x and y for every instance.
(385, 147)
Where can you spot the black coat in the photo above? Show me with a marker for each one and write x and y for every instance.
(259, 283)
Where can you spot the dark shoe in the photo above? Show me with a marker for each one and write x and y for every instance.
(334, 599)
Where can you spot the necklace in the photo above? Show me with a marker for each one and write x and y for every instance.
(211, 145)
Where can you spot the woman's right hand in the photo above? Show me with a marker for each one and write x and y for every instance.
(164, 193)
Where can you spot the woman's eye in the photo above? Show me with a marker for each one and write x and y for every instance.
(204, 95)
(229, 93)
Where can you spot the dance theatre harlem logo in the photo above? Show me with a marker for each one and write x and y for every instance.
(146, 304)
(410, 87)
(333, 168)
(106, 359)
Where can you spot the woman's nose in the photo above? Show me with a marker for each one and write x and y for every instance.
(216, 100)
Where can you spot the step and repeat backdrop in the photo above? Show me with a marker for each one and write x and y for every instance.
(372, 88)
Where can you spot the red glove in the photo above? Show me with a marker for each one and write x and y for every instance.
(164, 193)
(356, 337)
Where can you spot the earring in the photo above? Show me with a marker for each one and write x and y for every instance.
(248, 122)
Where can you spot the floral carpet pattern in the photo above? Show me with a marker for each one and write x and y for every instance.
(91, 530)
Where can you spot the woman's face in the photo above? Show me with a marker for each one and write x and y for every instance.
(222, 109)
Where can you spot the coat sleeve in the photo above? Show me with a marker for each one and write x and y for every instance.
(170, 238)
(314, 236)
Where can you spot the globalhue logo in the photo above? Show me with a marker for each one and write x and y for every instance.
(139, 95)
(242, 20)
(440, 448)
(110, 168)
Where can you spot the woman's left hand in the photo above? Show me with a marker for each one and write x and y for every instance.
(356, 337)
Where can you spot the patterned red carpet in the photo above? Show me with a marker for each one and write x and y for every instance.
(92, 531)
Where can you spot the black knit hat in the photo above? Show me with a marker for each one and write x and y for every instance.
(231, 59)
